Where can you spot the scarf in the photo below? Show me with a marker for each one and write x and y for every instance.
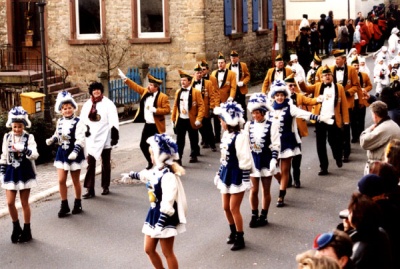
(285, 103)
(93, 110)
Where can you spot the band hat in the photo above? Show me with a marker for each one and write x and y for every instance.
(18, 114)
(154, 80)
(197, 67)
(290, 79)
(165, 149)
(234, 53)
(230, 112)
(317, 59)
(278, 58)
(220, 55)
(257, 101)
(355, 60)
(326, 70)
(62, 98)
(204, 63)
(279, 86)
(183, 74)
(293, 57)
(338, 53)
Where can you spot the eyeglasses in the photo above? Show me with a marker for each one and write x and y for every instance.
(322, 240)
(292, 85)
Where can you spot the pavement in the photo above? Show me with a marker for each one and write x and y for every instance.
(47, 174)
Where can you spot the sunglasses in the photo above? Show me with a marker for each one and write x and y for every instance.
(292, 85)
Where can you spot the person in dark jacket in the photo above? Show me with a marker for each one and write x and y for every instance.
(324, 40)
(351, 29)
(330, 28)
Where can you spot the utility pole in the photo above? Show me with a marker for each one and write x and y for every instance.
(47, 117)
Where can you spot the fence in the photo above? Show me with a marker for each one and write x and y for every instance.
(9, 97)
(120, 93)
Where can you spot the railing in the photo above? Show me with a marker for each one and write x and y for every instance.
(120, 93)
(12, 60)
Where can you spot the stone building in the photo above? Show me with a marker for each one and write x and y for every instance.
(174, 34)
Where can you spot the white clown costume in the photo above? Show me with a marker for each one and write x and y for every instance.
(17, 165)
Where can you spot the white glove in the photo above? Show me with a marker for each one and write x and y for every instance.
(326, 118)
(121, 74)
(272, 165)
(19, 146)
(157, 231)
(72, 156)
(125, 178)
(153, 109)
(216, 178)
(230, 99)
(320, 98)
(240, 83)
(197, 123)
(49, 141)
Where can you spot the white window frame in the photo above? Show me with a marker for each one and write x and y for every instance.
(234, 17)
(260, 14)
(88, 36)
(149, 34)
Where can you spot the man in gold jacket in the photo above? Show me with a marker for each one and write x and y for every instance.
(187, 115)
(242, 79)
(225, 84)
(334, 104)
(277, 72)
(153, 107)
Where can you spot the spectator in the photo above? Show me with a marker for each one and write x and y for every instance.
(365, 35)
(357, 39)
(343, 35)
(375, 138)
(304, 22)
(351, 29)
(392, 154)
(331, 34)
(308, 260)
(391, 97)
(315, 38)
(322, 29)
(359, 16)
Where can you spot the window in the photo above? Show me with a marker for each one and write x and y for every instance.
(87, 21)
(235, 16)
(150, 21)
(262, 15)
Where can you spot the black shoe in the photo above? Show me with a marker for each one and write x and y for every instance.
(280, 202)
(89, 194)
(323, 172)
(253, 222)
(297, 184)
(239, 242)
(214, 149)
(26, 235)
(149, 166)
(64, 210)
(339, 163)
(290, 184)
(193, 159)
(206, 146)
(231, 238)
(16, 233)
(346, 159)
(77, 207)
(354, 141)
(262, 221)
(106, 191)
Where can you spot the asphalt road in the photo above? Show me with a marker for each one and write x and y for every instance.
(108, 233)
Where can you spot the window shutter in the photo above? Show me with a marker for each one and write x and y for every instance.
(255, 15)
(228, 16)
(270, 20)
(245, 17)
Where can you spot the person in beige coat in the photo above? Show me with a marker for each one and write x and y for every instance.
(187, 115)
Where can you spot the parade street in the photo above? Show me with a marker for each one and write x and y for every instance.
(108, 233)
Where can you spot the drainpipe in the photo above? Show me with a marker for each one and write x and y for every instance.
(284, 35)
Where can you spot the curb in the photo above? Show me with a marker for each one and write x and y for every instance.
(46, 193)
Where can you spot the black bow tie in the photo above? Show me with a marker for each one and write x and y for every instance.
(221, 71)
(184, 90)
(328, 84)
(340, 68)
(279, 70)
(147, 95)
(197, 82)
(235, 65)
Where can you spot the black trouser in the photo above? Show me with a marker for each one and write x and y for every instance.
(357, 121)
(346, 138)
(149, 129)
(296, 163)
(105, 170)
(207, 133)
(217, 128)
(183, 126)
(241, 99)
(333, 134)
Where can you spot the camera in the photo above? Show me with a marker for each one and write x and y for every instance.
(344, 214)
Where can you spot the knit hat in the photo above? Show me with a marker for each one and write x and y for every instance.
(371, 185)
(165, 149)
(257, 101)
(279, 86)
(18, 114)
(230, 112)
(62, 98)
